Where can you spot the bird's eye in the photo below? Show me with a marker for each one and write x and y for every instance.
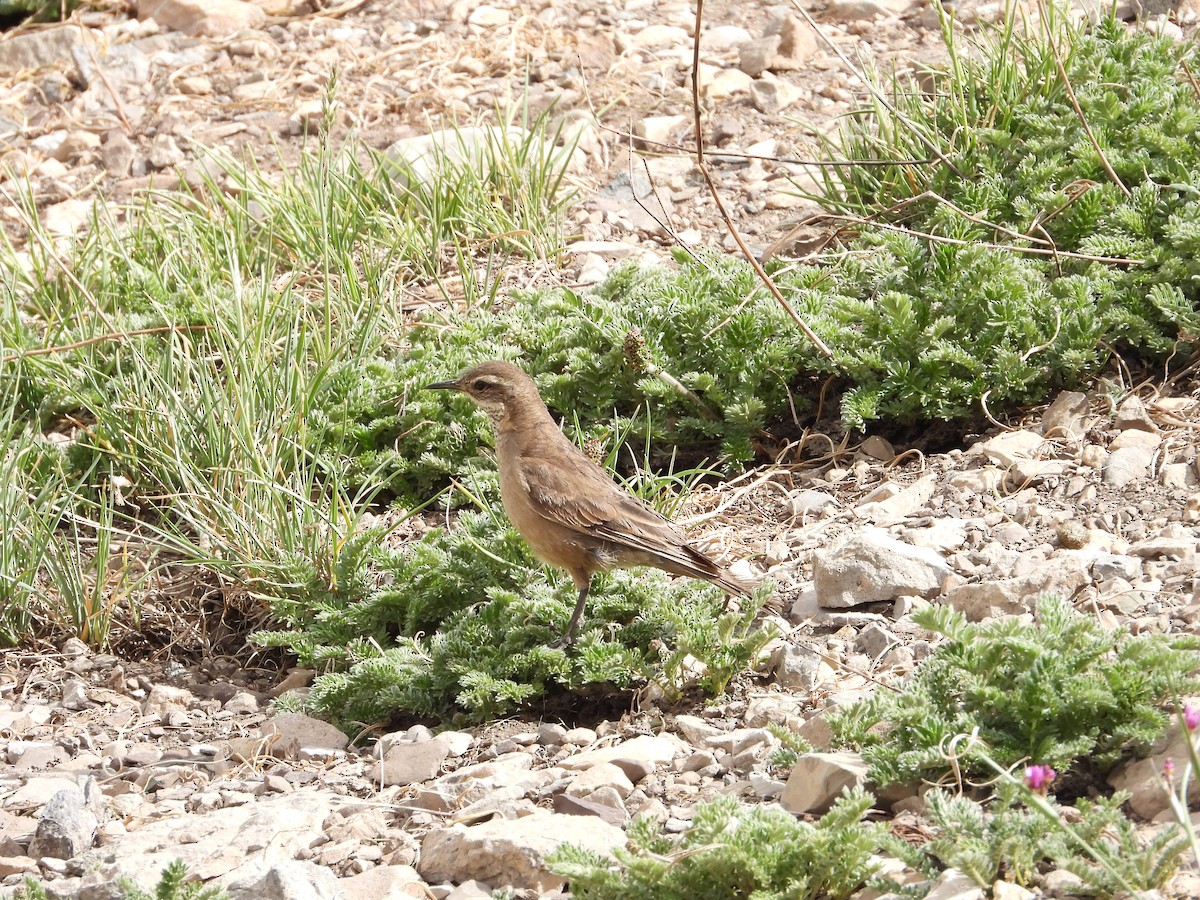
(480, 384)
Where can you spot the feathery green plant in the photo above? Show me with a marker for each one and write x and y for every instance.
(464, 622)
(730, 851)
(1061, 690)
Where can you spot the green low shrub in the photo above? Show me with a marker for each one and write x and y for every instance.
(1060, 691)
(730, 851)
(462, 625)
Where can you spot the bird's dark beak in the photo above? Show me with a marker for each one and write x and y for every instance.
(444, 386)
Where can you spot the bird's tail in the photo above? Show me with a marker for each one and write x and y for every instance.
(710, 571)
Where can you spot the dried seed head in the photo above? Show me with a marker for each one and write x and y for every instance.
(635, 351)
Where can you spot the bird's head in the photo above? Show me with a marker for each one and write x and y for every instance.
(498, 387)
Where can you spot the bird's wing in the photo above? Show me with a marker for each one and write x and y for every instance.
(574, 492)
(578, 494)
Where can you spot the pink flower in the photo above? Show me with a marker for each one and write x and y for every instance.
(1191, 716)
(1168, 768)
(1039, 777)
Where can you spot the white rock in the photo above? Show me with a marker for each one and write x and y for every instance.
(227, 844)
(979, 481)
(202, 18)
(489, 17)
(869, 565)
(1062, 574)
(955, 885)
(659, 37)
(291, 880)
(807, 502)
(383, 883)
(456, 742)
(818, 779)
(695, 729)
(600, 776)
(660, 132)
(1136, 437)
(67, 218)
(901, 504)
(723, 37)
(942, 535)
(658, 750)
(1005, 449)
(1127, 465)
(512, 852)
(476, 147)
(1006, 890)
(164, 699)
(856, 10)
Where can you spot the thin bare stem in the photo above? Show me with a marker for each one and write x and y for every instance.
(876, 93)
(716, 195)
(1062, 73)
(940, 239)
(99, 339)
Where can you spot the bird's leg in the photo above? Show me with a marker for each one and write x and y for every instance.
(569, 635)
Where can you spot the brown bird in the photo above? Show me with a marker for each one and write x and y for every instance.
(567, 508)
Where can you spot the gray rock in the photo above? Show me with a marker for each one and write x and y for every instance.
(799, 667)
(291, 880)
(757, 56)
(1132, 413)
(512, 852)
(288, 732)
(1111, 565)
(66, 824)
(568, 805)
(818, 779)
(874, 640)
(410, 763)
(771, 95)
(44, 47)
(116, 154)
(1067, 417)
(869, 565)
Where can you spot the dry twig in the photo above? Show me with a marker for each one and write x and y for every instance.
(716, 195)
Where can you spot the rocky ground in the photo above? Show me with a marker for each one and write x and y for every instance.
(117, 766)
